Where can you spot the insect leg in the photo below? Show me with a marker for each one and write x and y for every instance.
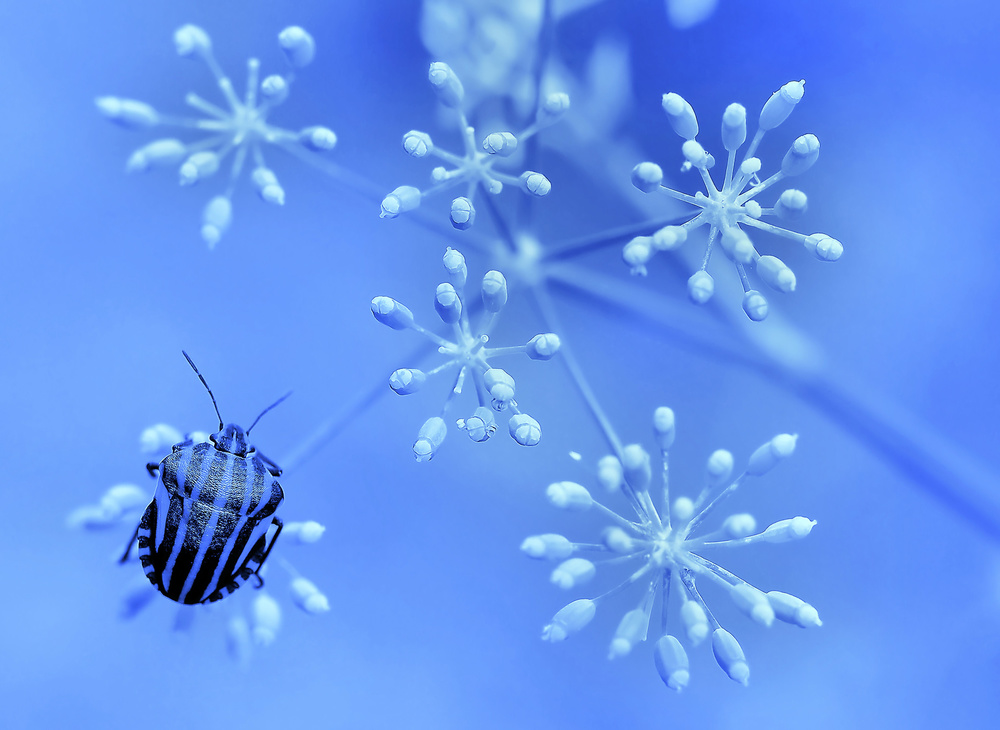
(153, 468)
(128, 548)
(273, 468)
(267, 550)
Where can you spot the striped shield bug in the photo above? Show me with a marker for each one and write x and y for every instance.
(210, 525)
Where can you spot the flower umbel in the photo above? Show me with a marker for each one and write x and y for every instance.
(472, 167)
(241, 129)
(664, 552)
(724, 210)
(466, 352)
(123, 504)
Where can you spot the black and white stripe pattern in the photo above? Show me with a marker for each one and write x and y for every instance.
(205, 532)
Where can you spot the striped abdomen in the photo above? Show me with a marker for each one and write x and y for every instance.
(207, 522)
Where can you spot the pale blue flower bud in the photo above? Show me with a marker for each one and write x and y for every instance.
(801, 155)
(543, 347)
(647, 176)
(610, 473)
(569, 496)
(823, 247)
(454, 263)
(770, 454)
(547, 547)
(730, 656)
(734, 127)
(524, 429)
(275, 89)
(669, 237)
(573, 572)
(494, 291)
(671, 663)
(446, 84)
(755, 305)
(318, 139)
(198, 166)
(631, 630)
(503, 144)
(265, 620)
(417, 144)
(308, 597)
(780, 105)
(192, 40)
(794, 528)
(215, 219)
(553, 108)
(701, 287)
(127, 113)
(793, 610)
(776, 274)
(681, 115)
(753, 603)
(463, 213)
(480, 426)
(391, 313)
(534, 183)
(695, 622)
(719, 468)
(617, 540)
(448, 304)
(298, 46)
(407, 381)
(664, 427)
(501, 387)
(636, 467)
(302, 533)
(267, 186)
(161, 153)
(429, 438)
(739, 525)
(791, 204)
(637, 253)
(737, 245)
(400, 200)
(569, 619)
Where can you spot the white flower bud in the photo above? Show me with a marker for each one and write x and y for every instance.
(553, 108)
(636, 467)
(719, 468)
(730, 656)
(569, 619)
(793, 610)
(547, 547)
(275, 89)
(701, 287)
(238, 640)
(318, 139)
(215, 219)
(669, 237)
(417, 144)
(637, 253)
(617, 540)
(429, 438)
(610, 473)
(128, 113)
(695, 622)
(302, 533)
(664, 427)
(501, 387)
(573, 572)
(446, 84)
(454, 263)
(801, 155)
(739, 525)
(543, 347)
(682, 509)
(391, 313)
(569, 496)
(463, 213)
(794, 528)
(647, 176)
(791, 204)
(737, 245)
(447, 303)
(734, 127)
(265, 619)
(198, 166)
(480, 426)
(681, 115)
(267, 186)
(776, 274)
(823, 247)
(767, 456)
(494, 291)
(308, 597)
(400, 200)
(161, 153)
(631, 630)
(755, 305)
(190, 40)
(671, 663)
(407, 381)
(696, 155)
(503, 144)
(780, 105)
(298, 46)
(534, 183)
(159, 438)
(524, 429)
(753, 603)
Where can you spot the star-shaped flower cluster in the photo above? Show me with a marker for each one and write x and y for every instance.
(122, 506)
(473, 168)
(725, 210)
(662, 551)
(241, 129)
(467, 353)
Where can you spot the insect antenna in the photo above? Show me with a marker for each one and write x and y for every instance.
(202, 378)
(266, 410)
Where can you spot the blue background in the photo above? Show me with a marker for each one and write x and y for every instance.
(435, 614)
